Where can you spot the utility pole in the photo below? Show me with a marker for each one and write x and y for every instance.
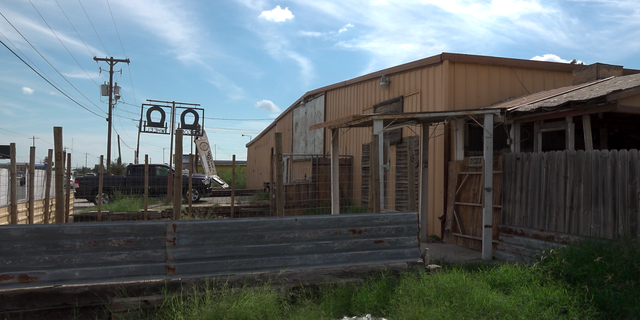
(112, 62)
(34, 140)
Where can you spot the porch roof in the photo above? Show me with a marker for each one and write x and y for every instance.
(402, 119)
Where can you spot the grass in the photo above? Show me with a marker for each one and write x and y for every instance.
(124, 203)
(488, 292)
(606, 273)
(241, 176)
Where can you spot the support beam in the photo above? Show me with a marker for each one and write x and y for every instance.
(374, 174)
(537, 136)
(13, 171)
(335, 171)
(515, 135)
(378, 128)
(588, 138)
(411, 175)
(424, 181)
(32, 183)
(279, 183)
(59, 173)
(570, 134)
(487, 209)
(459, 139)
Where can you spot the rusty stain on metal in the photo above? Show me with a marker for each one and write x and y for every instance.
(172, 269)
(175, 227)
(356, 232)
(112, 242)
(379, 241)
(295, 220)
(25, 278)
(6, 277)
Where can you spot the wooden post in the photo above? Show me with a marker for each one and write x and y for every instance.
(271, 184)
(374, 175)
(233, 183)
(100, 182)
(59, 182)
(31, 184)
(13, 168)
(146, 187)
(571, 134)
(177, 177)
(279, 176)
(537, 136)
(335, 171)
(47, 186)
(515, 135)
(459, 139)
(586, 127)
(411, 175)
(378, 128)
(67, 199)
(424, 182)
(487, 208)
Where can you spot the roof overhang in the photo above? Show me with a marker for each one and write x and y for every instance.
(402, 119)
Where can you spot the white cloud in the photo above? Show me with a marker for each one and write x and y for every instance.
(277, 14)
(267, 105)
(345, 28)
(27, 90)
(550, 57)
(311, 34)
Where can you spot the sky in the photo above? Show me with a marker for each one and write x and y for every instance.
(246, 61)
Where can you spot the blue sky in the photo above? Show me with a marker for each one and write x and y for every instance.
(245, 61)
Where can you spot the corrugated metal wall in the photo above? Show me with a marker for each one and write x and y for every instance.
(259, 153)
(65, 254)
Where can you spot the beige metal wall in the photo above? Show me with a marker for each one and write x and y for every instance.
(259, 153)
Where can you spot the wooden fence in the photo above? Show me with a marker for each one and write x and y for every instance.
(592, 193)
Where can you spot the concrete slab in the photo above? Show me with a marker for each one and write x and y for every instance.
(452, 253)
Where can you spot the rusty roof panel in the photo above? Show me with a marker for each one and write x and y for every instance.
(561, 96)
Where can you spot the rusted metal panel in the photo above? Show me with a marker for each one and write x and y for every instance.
(522, 244)
(59, 254)
(63, 254)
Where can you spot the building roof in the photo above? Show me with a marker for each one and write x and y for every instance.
(430, 61)
(613, 88)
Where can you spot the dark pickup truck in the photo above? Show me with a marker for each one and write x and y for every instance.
(133, 183)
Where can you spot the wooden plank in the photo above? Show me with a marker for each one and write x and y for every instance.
(507, 188)
(578, 193)
(586, 127)
(534, 191)
(337, 122)
(596, 194)
(458, 222)
(487, 211)
(561, 163)
(31, 184)
(544, 214)
(177, 178)
(587, 191)
(570, 221)
(424, 181)
(570, 134)
(622, 193)
(633, 201)
(518, 189)
(454, 168)
(610, 192)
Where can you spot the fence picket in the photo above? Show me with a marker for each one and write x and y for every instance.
(570, 223)
(634, 191)
(621, 176)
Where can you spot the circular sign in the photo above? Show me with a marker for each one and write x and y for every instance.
(204, 146)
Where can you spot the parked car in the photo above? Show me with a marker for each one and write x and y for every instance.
(133, 183)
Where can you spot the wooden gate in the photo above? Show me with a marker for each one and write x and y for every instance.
(465, 199)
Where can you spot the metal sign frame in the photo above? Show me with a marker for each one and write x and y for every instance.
(163, 127)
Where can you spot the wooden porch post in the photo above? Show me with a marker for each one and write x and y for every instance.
(487, 208)
(586, 126)
(424, 181)
(374, 179)
(335, 171)
(378, 129)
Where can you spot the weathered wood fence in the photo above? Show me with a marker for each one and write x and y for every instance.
(592, 193)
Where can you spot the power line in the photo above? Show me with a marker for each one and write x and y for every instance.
(74, 28)
(94, 28)
(227, 119)
(114, 24)
(62, 43)
(45, 79)
(45, 59)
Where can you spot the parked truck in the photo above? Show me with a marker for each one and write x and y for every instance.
(133, 183)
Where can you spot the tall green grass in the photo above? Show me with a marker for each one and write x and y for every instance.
(124, 203)
(496, 292)
(607, 274)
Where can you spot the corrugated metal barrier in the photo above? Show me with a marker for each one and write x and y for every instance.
(87, 253)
